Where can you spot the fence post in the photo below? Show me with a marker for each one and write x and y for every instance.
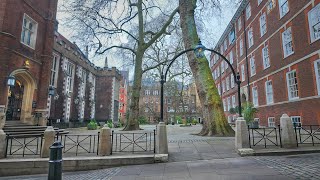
(242, 136)
(55, 161)
(287, 132)
(3, 144)
(105, 141)
(48, 140)
(161, 139)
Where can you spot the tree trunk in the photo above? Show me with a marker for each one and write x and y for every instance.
(215, 122)
(132, 122)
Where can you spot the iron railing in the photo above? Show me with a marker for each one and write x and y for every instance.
(80, 144)
(307, 134)
(26, 145)
(264, 137)
(133, 142)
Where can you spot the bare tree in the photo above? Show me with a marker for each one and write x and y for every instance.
(131, 25)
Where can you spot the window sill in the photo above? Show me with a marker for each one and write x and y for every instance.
(264, 68)
(314, 40)
(293, 99)
(27, 45)
(284, 57)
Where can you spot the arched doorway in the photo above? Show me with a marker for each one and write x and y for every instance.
(20, 97)
(15, 98)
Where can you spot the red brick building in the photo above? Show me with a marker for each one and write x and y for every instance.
(26, 44)
(38, 57)
(275, 46)
(83, 90)
(123, 98)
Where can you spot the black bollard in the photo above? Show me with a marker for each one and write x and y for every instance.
(55, 161)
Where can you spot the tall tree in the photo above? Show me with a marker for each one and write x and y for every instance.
(215, 122)
(140, 22)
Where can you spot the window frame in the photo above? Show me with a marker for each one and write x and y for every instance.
(263, 24)
(282, 14)
(243, 76)
(255, 96)
(54, 68)
(284, 44)
(241, 47)
(288, 86)
(250, 37)
(253, 68)
(294, 122)
(228, 83)
(269, 93)
(231, 57)
(312, 36)
(33, 36)
(248, 11)
(317, 73)
(239, 23)
(233, 99)
(264, 57)
(232, 84)
(274, 122)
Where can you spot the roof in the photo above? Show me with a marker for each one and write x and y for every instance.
(232, 22)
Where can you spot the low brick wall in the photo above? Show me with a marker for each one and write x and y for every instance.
(13, 167)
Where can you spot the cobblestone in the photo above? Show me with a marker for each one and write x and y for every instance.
(295, 166)
(103, 174)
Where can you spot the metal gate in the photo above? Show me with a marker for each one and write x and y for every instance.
(15, 102)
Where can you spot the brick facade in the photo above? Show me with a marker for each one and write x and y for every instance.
(178, 101)
(93, 92)
(14, 54)
(38, 57)
(306, 52)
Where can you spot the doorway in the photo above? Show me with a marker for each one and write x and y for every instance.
(15, 98)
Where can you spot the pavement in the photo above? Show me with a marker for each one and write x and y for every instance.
(196, 157)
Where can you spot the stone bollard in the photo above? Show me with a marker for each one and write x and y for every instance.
(2, 116)
(2, 144)
(105, 141)
(48, 140)
(161, 139)
(242, 136)
(288, 137)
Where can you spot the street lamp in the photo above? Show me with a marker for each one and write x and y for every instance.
(199, 50)
(199, 53)
(51, 91)
(11, 81)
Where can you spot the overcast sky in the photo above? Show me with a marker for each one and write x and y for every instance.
(218, 25)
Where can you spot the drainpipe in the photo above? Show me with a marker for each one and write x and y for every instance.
(246, 49)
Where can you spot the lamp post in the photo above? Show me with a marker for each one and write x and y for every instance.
(199, 53)
(11, 81)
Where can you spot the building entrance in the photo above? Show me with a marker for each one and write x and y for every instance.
(15, 98)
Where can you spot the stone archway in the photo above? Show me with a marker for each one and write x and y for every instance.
(29, 83)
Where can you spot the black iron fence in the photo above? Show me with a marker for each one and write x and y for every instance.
(79, 144)
(307, 134)
(133, 142)
(22, 146)
(264, 137)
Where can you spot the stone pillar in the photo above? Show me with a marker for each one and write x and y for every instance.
(40, 117)
(242, 136)
(48, 140)
(161, 139)
(2, 144)
(288, 136)
(2, 116)
(105, 141)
